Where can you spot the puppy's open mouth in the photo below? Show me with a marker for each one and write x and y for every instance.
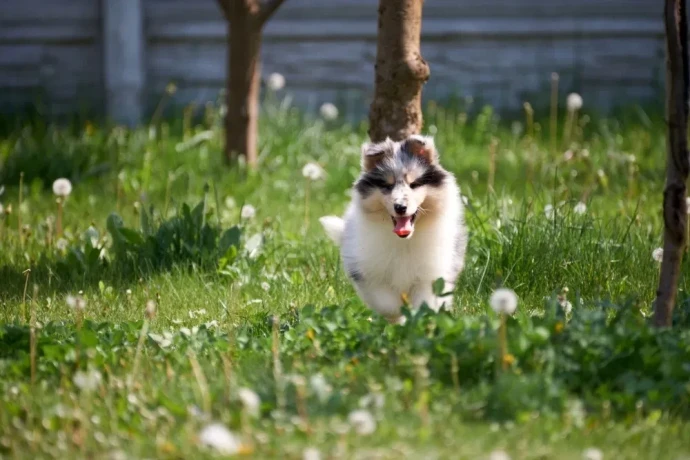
(404, 225)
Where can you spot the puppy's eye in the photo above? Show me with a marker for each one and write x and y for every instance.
(415, 184)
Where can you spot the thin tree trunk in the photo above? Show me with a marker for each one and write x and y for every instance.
(396, 110)
(677, 166)
(245, 19)
(244, 74)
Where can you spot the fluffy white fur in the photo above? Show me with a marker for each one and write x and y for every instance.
(384, 267)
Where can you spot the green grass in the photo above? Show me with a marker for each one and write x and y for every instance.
(273, 312)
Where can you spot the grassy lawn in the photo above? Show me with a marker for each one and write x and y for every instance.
(258, 301)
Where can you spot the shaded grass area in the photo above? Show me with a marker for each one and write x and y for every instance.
(262, 302)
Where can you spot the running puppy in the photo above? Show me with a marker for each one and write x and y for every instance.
(403, 229)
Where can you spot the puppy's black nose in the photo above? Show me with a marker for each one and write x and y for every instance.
(400, 208)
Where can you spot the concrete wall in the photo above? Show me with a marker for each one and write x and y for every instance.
(64, 53)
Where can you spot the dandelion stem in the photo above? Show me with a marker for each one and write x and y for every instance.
(493, 147)
(554, 111)
(306, 204)
(26, 273)
(137, 353)
(277, 365)
(503, 342)
(201, 381)
(301, 394)
(568, 129)
(19, 208)
(454, 371)
(58, 221)
(32, 336)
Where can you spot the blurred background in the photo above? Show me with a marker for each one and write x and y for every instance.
(68, 56)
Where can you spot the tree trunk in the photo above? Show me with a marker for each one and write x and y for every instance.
(244, 74)
(396, 110)
(246, 19)
(675, 206)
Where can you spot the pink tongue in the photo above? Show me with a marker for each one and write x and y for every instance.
(403, 226)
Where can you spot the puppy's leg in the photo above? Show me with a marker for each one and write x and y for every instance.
(424, 293)
(382, 300)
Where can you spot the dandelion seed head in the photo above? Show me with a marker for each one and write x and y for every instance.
(362, 422)
(219, 438)
(250, 400)
(320, 387)
(61, 244)
(328, 111)
(87, 380)
(574, 102)
(275, 81)
(311, 453)
(504, 301)
(248, 211)
(580, 208)
(592, 453)
(658, 254)
(313, 171)
(549, 211)
(62, 187)
(499, 455)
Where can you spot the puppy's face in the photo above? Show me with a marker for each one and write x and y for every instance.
(402, 180)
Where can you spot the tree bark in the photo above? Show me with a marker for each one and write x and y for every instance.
(396, 110)
(677, 166)
(245, 19)
(242, 92)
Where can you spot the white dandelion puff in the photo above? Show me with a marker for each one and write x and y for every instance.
(219, 438)
(580, 208)
(248, 211)
(71, 301)
(574, 102)
(549, 211)
(328, 111)
(592, 454)
(313, 171)
(311, 453)
(87, 381)
(250, 400)
(499, 455)
(504, 301)
(362, 421)
(62, 187)
(658, 254)
(265, 286)
(566, 306)
(61, 244)
(76, 302)
(275, 81)
(320, 387)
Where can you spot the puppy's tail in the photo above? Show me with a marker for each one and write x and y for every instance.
(334, 227)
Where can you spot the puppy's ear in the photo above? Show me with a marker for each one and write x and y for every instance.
(422, 147)
(374, 153)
